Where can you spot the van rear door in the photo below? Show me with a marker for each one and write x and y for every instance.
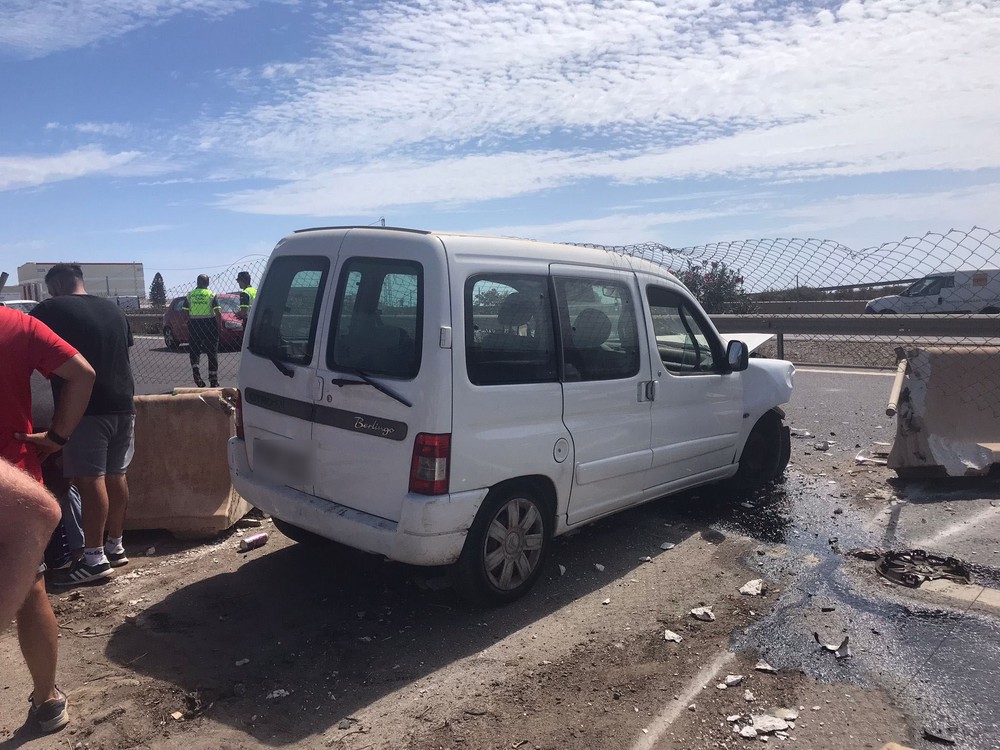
(606, 387)
(278, 369)
(385, 375)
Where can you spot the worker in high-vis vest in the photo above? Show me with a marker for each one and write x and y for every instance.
(247, 294)
(204, 321)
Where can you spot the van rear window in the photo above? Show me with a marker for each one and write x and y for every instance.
(286, 310)
(378, 318)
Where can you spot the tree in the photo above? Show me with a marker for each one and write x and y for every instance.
(718, 288)
(157, 292)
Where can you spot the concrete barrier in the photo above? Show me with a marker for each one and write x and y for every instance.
(948, 419)
(179, 476)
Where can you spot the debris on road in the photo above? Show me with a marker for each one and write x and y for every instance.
(748, 696)
(647, 558)
(767, 724)
(871, 555)
(600, 568)
(667, 546)
(797, 433)
(562, 570)
(242, 662)
(670, 635)
(606, 602)
(913, 567)
(939, 735)
(277, 694)
(822, 445)
(786, 714)
(748, 732)
(704, 614)
(842, 651)
(732, 680)
(763, 666)
(877, 455)
(253, 541)
(753, 588)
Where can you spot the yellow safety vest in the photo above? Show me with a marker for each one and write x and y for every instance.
(251, 294)
(199, 303)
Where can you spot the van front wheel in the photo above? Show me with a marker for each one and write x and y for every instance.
(505, 548)
(765, 455)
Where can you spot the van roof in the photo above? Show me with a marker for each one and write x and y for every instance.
(638, 262)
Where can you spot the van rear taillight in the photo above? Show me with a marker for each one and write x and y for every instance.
(239, 416)
(430, 464)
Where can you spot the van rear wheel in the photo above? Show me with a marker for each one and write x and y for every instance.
(505, 548)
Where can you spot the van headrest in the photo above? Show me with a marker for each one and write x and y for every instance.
(516, 310)
(591, 329)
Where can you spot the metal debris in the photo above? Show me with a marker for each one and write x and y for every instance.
(913, 567)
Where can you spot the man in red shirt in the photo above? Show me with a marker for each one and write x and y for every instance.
(27, 345)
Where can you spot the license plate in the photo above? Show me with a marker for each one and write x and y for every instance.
(283, 461)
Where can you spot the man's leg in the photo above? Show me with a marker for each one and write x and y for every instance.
(213, 360)
(38, 635)
(194, 346)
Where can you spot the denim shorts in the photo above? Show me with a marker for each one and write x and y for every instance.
(101, 444)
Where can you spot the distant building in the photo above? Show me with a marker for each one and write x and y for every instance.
(124, 281)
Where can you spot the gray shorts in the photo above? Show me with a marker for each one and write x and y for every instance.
(101, 444)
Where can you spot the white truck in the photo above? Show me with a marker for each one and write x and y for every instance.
(968, 291)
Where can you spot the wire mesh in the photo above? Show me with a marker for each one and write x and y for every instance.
(764, 277)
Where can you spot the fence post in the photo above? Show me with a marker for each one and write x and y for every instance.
(781, 345)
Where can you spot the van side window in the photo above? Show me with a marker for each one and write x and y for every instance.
(509, 336)
(684, 341)
(378, 318)
(600, 338)
(286, 310)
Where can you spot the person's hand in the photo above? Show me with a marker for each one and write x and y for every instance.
(43, 444)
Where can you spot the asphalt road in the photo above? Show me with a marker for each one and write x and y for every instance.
(158, 370)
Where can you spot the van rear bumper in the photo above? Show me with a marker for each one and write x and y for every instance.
(431, 529)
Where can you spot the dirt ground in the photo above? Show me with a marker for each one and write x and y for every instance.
(196, 645)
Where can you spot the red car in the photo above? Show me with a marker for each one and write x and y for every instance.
(175, 323)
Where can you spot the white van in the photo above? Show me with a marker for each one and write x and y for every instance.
(440, 398)
(970, 291)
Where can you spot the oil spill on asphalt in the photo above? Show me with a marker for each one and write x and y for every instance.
(941, 666)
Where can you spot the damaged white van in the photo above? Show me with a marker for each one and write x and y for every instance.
(444, 399)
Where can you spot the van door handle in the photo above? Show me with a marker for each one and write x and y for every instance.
(317, 389)
(652, 386)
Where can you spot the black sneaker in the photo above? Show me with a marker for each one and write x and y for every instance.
(81, 573)
(199, 382)
(52, 715)
(116, 559)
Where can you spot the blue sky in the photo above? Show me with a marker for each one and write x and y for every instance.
(187, 134)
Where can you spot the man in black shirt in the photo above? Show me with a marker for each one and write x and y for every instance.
(100, 450)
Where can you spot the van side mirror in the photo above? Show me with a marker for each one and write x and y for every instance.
(737, 356)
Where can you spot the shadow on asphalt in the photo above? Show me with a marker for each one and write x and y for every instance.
(339, 629)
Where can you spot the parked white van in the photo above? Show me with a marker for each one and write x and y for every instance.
(441, 398)
(970, 291)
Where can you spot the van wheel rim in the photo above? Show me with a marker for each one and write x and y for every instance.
(513, 547)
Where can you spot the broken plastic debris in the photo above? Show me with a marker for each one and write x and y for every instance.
(562, 570)
(667, 545)
(647, 558)
(866, 554)
(670, 635)
(870, 457)
(703, 613)
(177, 716)
(606, 601)
(786, 714)
(797, 433)
(767, 724)
(242, 662)
(763, 666)
(732, 680)
(276, 694)
(599, 567)
(842, 651)
(753, 588)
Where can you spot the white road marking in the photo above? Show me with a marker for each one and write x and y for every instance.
(661, 723)
(956, 527)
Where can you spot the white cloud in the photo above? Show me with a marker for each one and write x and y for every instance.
(114, 129)
(148, 229)
(34, 28)
(410, 101)
(32, 171)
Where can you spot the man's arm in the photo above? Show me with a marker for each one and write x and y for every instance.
(74, 397)
(29, 515)
(217, 310)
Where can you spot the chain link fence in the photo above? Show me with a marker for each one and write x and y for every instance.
(957, 272)
(161, 356)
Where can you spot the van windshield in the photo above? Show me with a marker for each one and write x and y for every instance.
(928, 286)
